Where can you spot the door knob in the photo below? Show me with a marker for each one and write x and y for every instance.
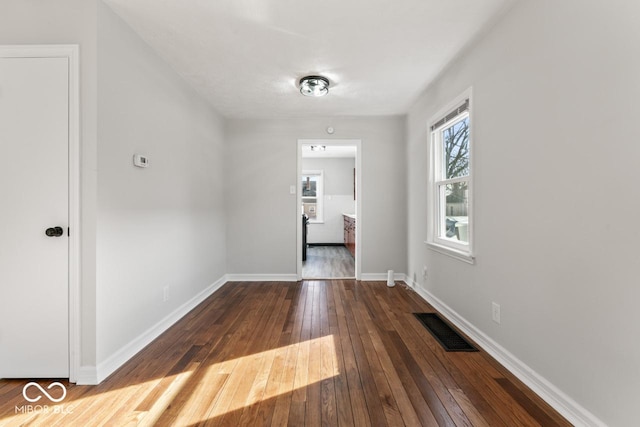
(54, 232)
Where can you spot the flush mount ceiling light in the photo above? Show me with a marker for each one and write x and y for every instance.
(314, 86)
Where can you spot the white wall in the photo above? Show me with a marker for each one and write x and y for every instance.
(143, 106)
(338, 197)
(160, 226)
(556, 149)
(262, 216)
(69, 22)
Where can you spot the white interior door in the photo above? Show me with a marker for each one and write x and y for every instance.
(34, 197)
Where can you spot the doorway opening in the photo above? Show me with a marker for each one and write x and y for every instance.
(328, 206)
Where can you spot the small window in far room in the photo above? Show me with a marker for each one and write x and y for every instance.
(450, 213)
(312, 195)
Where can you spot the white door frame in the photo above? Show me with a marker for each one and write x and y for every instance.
(359, 227)
(71, 52)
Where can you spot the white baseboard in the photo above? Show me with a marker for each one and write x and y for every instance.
(262, 277)
(373, 277)
(116, 360)
(565, 405)
(87, 375)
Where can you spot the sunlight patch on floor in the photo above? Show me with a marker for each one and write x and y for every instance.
(200, 393)
(266, 375)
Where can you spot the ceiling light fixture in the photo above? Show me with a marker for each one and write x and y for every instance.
(314, 86)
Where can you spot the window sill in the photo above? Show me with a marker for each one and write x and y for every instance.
(459, 255)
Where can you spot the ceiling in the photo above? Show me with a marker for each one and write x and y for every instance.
(247, 56)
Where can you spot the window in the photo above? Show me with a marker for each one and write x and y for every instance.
(312, 195)
(451, 183)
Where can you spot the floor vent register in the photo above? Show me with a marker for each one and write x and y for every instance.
(443, 333)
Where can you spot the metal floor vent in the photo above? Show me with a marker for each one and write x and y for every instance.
(443, 333)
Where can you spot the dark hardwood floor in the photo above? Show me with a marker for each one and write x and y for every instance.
(312, 353)
(328, 262)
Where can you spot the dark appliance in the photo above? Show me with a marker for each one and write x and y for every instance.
(305, 222)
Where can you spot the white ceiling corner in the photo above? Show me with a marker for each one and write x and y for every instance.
(246, 56)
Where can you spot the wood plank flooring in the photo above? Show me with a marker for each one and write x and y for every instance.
(328, 262)
(312, 353)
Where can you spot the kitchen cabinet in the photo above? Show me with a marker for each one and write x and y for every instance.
(350, 233)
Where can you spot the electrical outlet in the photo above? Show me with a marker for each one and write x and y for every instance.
(495, 312)
(425, 272)
(165, 294)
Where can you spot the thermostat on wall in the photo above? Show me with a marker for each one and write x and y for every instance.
(140, 161)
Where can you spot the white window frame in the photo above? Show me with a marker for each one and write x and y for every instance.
(319, 195)
(437, 179)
